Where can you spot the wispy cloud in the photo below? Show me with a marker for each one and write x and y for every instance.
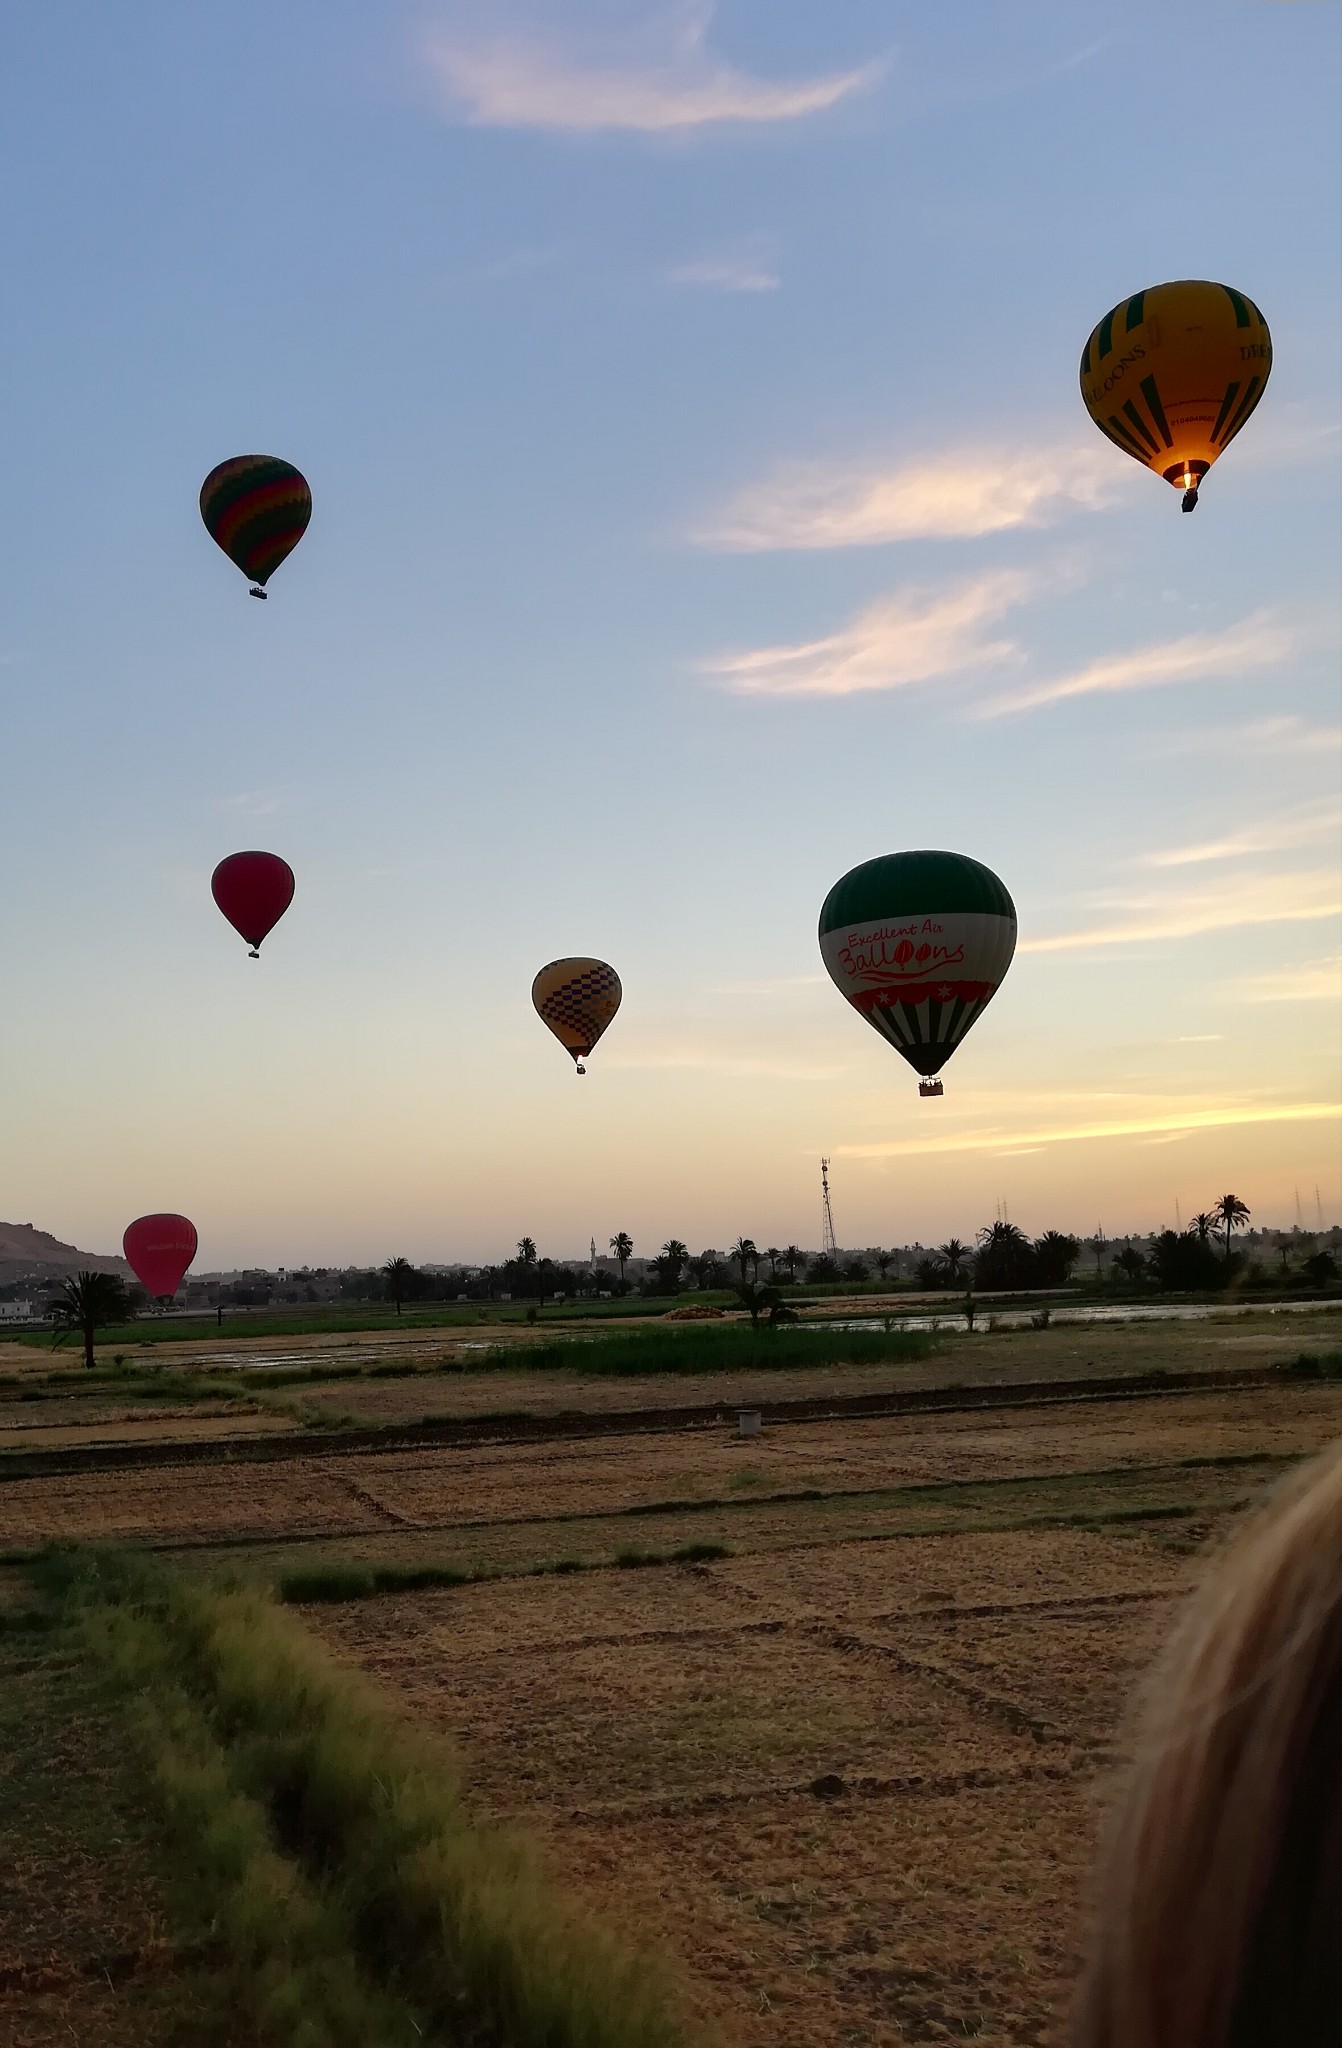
(957, 494)
(909, 637)
(727, 274)
(658, 78)
(1287, 733)
(1255, 642)
(1208, 1117)
(1317, 981)
(1237, 900)
(1272, 836)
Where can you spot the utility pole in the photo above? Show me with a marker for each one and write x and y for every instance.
(827, 1240)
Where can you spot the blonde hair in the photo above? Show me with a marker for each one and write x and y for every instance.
(1219, 1908)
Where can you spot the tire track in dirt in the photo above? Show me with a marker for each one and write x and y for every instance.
(831, 1787)
(1016, 1716)
(703, 1632)
(388, 1515)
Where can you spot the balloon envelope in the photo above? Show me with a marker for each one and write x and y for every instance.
(576, 999)
(158, 1251)
(919, 944)
(253, 890)
(1172, 374)
(256, 508)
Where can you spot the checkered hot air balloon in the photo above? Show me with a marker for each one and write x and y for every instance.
(576, 999)
(919, 944)
(257, 509)
(1171, 375)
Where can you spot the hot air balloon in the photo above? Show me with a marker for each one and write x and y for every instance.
(1172, 374)
(253, 890)
(919, 944)
(158, 1251)
(577, 1000)
(257, 508)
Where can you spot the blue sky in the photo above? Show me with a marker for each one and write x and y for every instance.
(704, 503)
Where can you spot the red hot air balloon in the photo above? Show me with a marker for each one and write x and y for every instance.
(253, 890)
(158, 1251)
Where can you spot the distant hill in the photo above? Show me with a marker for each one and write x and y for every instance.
(26, 1252)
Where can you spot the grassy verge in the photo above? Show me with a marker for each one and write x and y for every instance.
(332, 1584)
(358, 1905)
(710, 1348)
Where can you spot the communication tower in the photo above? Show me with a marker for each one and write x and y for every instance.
(827, 1239)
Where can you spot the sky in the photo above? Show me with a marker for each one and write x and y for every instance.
(703, 504)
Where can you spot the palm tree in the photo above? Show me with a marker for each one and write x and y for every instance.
(398, 1274)
(89, 1302)
(772, 1254)
(745, 1253)
(526, 1250)
(1131, 1263)
(1058, 1253)
(1005, 1256)
(1203, 1225)
(792, 1258)
(883, 1263)
(1233, 1213)
(704, 1267)
(674, 1255)
(622, 1244)
(955, 1254)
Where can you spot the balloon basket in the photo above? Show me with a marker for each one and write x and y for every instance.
(256, 591)
(926, 1088)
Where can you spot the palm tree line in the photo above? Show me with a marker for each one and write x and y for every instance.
(1002, 1257)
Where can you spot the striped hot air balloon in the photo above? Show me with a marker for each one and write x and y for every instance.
(576, 999)
(919, 944)
(256, 508)
(1172, 374)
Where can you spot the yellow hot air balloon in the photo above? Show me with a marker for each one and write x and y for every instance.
(577, 999)
(1172, 374)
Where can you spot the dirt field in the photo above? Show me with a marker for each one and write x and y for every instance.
(855, 1794)
(847, 1772)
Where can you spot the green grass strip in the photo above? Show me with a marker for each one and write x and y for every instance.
(333, 1584)
(359, 1905)
(708, 1348)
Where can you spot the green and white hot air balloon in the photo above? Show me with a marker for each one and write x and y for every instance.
(919, 943)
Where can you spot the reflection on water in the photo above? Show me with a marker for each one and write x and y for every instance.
(1023, 1318)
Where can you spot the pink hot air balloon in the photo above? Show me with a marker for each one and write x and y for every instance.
(253, 890)
(158, 1251)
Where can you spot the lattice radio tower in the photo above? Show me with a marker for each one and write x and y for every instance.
(827, 1239)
